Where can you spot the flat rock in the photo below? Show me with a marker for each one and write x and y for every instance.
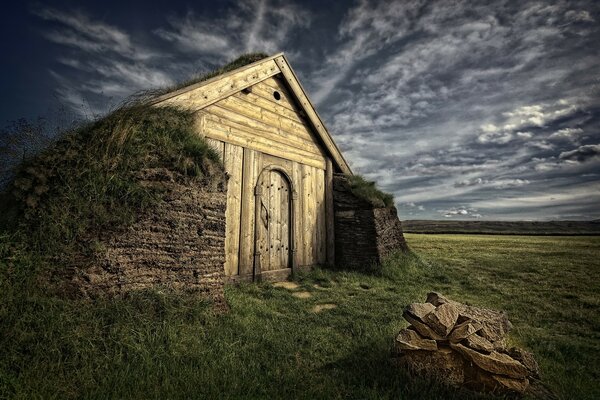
(479, 343)
(286, 285)
(464, 330)
(443, 319)
(496, 363)
(495, 324)
(436, 299)
(410, 340)
(322, 307)
(444, 365)
(526, 358)
(419, 310)
(420, 327)
(302, 295)
(498, 384)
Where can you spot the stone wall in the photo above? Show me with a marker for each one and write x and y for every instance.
(178, 244)
(364, 234)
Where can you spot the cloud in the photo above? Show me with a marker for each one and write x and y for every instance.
(80, 31)
(445, 104)
(582, 153)
(249, 26)
(461, 212)
(571, 134)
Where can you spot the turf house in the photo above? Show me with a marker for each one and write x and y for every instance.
(245, 183)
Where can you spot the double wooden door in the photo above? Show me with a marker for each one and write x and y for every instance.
(273, 234)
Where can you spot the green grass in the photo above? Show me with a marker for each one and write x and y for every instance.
(367, 190)
(239, 62)
(156, 344)
(88, 182)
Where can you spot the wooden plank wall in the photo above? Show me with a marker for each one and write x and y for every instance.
(248, 129)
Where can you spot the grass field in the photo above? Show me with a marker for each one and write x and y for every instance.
(271, 344)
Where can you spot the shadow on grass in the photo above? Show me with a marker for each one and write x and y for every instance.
(371, 372)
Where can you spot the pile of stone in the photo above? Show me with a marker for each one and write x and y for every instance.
(463, 346)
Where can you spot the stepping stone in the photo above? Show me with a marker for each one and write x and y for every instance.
(302, 295)
(321, 307)
(286, 285)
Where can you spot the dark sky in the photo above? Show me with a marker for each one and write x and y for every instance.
(462, 109)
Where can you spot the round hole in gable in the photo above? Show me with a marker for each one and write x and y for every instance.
(277, 95)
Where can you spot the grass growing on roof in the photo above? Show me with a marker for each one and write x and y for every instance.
(239, 62)
(88, 182)
(369, 191)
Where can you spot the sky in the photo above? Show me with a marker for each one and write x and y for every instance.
(461, 109)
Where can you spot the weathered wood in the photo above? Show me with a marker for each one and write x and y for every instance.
(217, 145)
(273, 122)
(284, 196)
(262, 224)
(321, 239)
(271, 104)
(296, 87)
(202, 94)
(298, 220)
(224, 130)
(274, 221)
(251, 170)
(265, 124)
(330, 231)
(308, 213)
(266, 89)
(233, 167)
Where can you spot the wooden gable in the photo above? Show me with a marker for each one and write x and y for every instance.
(294, 112)
(280, 160)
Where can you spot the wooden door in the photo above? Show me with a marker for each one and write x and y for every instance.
(273, 233)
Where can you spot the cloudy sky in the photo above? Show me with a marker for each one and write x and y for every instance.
(462, 109)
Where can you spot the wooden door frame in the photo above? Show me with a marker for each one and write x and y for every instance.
(257, 268)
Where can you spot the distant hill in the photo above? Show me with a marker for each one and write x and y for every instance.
(504, 227)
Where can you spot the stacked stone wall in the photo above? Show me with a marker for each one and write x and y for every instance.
(364, 234)
(179, 244)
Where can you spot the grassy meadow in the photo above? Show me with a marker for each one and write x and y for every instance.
(272, 344)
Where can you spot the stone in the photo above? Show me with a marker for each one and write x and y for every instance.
(321, 307)
(302, 295)
(464, 330)
(436, 299)
(445, 365)
(365, 233)
(479, 343)
(286, 285)
(443, 319)
(497, 384)
(410, 340)
(423, 329)
(496, 363)
(419, 310)
(495, 324)
(526, 358)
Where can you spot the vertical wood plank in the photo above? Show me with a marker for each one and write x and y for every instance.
(217, 146)
(315, 217)
(307, 213)
(320, 243)
(274, 220)
(298, 219)
(250, 171)
(233, 166)
(285, 225)
(263, 222)
(330, 230)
